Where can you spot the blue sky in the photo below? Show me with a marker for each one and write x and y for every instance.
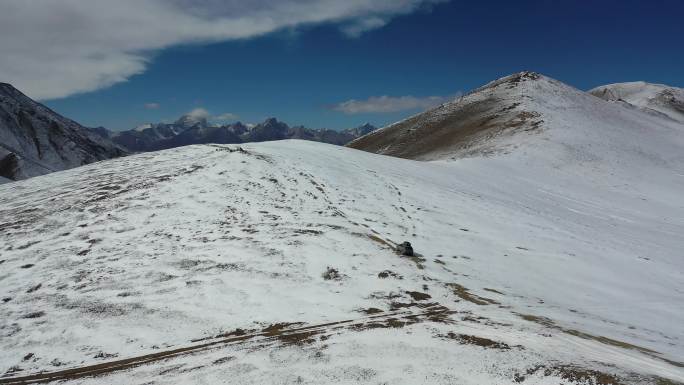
(300, 73)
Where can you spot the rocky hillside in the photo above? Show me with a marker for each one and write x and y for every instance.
(35, 140)
(545, 118)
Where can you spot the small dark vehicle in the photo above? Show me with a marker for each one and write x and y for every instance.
(405, 249)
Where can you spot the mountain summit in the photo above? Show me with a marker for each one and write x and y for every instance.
(191, 120)
(35, 140)
(538, 119)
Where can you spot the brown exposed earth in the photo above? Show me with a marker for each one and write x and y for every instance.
(457, 127)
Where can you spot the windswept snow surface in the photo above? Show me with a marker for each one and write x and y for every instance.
(545, 270)
(657, 99)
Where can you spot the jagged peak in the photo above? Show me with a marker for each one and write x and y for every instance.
(189, 121)
(271, 120)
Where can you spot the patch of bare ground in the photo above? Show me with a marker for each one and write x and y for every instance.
(492, 290)
(470, 317)
(389, 273)
(467, 339)
(463, 293)
(433, 313)
(379, 240)
(572, 374)
(417, 259)
(418, 296)
(460, 127)
(234, 333)
(665, 381)
(286, 337)
(370, 310)
(332, 274)
(223, 360)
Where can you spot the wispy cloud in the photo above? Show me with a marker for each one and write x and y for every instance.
(152, 106)
(200, 113)
(358, 27)
(56, 48)
(386, 104)
(225, 117)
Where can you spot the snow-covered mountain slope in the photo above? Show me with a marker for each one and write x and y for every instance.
(656, 99)
(35, 140)
(541, 120)
(274, 263)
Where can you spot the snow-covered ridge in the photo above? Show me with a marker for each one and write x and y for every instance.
(658, 98)
(535, 266)
(536, 117)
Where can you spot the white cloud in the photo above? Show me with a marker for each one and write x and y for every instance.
(198, 114)
(385, 104)
(152, 106)
(225, 117)
(55, 48)
(357, 28)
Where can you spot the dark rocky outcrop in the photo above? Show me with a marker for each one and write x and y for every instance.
(35, 140)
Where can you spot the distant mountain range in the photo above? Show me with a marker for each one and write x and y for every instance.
(190, 130)
(35, 140)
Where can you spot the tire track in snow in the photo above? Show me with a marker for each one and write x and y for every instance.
(283, 334)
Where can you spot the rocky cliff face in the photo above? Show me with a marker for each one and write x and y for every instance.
(35, 140)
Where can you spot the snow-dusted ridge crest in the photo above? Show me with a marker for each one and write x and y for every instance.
(264, 251)
(658, 99)
(523, 111)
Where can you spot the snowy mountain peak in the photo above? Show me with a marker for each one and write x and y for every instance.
(271, 122)
(143, 127)
(191, 120)
(655, 99)
(533, 118)
(473, 124)
(361, 130)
